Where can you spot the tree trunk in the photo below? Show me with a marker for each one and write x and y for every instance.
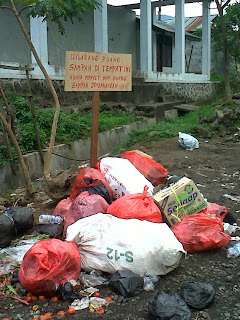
(53, 91)
(225, 52)
(29, 186)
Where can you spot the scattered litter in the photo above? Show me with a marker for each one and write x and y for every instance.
(80, 304)
(187, 141)
(203, 175)
(200, 185)
(12, 257)
(93, 303)
(229, 228)
(92, 279)
(149, 282)
(96, 302)
(234, 250)
(88, 292)
(233, 198)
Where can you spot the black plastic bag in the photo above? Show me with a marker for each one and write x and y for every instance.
(54, 230)
(168, 306)
(100, 190)
(198, 294)
(126, 283)
(7, 230)
(23, 218)
(67, 292)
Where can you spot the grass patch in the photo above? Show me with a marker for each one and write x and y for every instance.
(71, 126)
(169, 128)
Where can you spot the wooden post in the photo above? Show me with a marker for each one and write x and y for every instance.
(94, 131)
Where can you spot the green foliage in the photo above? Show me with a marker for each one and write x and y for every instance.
(232, 21)
(4, 158)
(197, 32)
(71, 126)
(216, 77)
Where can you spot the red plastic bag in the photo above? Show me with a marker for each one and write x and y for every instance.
(88, 177)
(47, 264)
(62, 207)
(151, 170)
(83, 206)
(135, 206)
(199, 232)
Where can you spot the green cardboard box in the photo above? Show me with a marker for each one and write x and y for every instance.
(178, 200)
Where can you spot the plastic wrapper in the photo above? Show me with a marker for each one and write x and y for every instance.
(187, 141)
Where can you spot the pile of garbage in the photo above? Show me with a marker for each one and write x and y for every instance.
(125, 223)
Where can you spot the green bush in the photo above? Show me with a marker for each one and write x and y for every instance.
(71, 126)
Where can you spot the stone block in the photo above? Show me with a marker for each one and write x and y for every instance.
(171, 114)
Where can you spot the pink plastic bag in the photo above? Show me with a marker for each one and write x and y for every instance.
(139, 206)
(83, 206)
(62, 207)
(47, 264)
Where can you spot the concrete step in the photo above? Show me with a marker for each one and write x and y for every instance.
(158, 109)
(186, 107)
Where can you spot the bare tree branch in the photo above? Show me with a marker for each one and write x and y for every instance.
(6, 7)
(24, 9)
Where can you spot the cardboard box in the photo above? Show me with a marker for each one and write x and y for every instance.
(178, 200)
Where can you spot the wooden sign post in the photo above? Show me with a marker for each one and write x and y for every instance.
(97, 71)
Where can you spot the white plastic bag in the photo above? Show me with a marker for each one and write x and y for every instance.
(187, 141)
(109, 244)
(123, 177)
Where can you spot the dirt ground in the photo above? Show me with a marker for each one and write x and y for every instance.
(215, 169)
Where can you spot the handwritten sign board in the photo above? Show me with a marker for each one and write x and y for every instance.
(98, 71)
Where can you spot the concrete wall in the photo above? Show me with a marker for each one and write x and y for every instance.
(196, 59)
(123, 33)
(79, 150)
(79, 37)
